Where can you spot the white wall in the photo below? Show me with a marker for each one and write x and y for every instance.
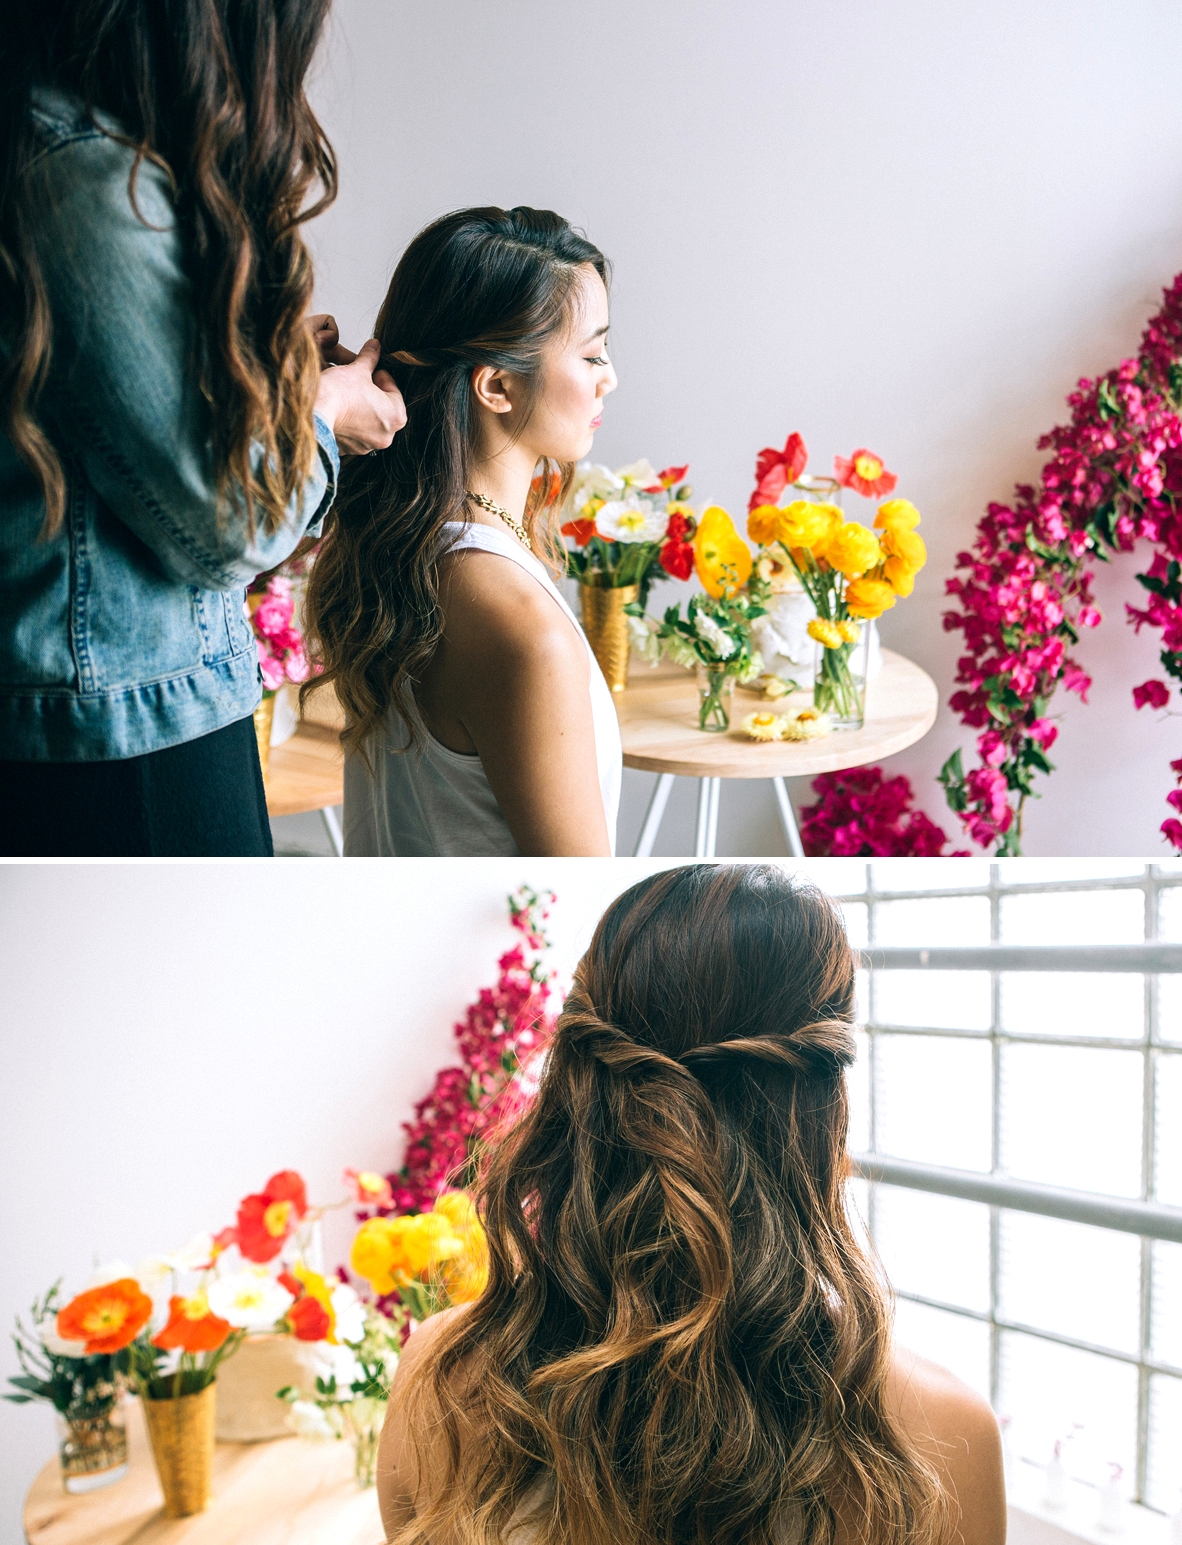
(170, 1035)
(908, 226)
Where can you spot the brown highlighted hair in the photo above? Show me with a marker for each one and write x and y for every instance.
(477, 287)
(212, 91)
(681, 1340)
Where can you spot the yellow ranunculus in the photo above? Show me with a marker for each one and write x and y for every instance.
(853, 549)
(868, 597)
(390, 1252)
(721, 557)
(825, 632)
(466, 1274)
(905, 556)
(763, 524)
(849, 630)
(804, 524)
(897, 515)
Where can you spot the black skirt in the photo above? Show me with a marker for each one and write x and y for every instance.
(202, 799)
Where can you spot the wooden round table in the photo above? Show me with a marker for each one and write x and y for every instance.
(291, 1492)
(307, 771)
(658, 726)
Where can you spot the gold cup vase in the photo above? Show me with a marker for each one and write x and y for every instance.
(264, 717)
(181, 1432)
(606, 628)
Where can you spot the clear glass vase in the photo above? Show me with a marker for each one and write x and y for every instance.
(716, 691)
(839, 681)
(92, 1449)
(363, 1422)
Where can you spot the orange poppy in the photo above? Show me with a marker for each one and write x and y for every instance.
(309, 1320)
(106, 1318)
(581, 530)
(192, 1326)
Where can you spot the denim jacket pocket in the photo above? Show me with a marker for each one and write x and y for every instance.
(224, 630)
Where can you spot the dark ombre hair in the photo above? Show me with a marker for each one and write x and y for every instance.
(477, 287)
(680, 1332)
(212, 91)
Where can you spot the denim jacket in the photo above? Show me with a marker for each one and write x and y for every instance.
(124, 633)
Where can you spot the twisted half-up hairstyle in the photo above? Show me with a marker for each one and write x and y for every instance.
(681, 1342)
(211, 91)
(477, 287)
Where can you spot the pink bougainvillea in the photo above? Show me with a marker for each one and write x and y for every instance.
(270, 609)
(862, 814)
(1114, 478)
(501, 1039)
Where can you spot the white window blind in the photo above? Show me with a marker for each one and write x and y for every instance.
(1017, 1119)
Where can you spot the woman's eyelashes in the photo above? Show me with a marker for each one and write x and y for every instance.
(597, 359)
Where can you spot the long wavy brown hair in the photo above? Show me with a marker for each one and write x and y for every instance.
(477, 287)
(681, 1335)
(212, 91)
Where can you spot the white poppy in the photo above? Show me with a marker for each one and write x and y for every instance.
(110, 1271)
(250, 1299)
(710, 633)
(593, 482)
(349, 1313)
(54, 1344)
(638, 474)
(155, 1272)
(628, 520)
(339, 1363)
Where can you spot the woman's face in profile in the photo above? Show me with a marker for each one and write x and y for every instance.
(576, 376)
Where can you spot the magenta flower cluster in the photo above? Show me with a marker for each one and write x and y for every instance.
(501, 1041)
(862, 814)
(270, 608)
(1114, 479)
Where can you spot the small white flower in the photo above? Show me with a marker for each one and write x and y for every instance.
(338, 1362)
(349, 1313)
(309, 1421)
(711, 633)
(638, 474)
(644, 640)
(250, 1299)
(629, 520)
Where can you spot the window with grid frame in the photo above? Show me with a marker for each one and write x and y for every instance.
(1063, 1079)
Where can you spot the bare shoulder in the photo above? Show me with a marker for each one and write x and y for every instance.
(492, 606)
(956, 1429)
(409, 1449)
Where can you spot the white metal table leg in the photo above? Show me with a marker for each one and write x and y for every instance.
(333, 826)
(707, 806)
(653, 816)
(787, 819)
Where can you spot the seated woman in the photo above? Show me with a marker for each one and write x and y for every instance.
(478, 721)
(681, 1339)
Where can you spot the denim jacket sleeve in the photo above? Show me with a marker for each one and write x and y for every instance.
(122, 391)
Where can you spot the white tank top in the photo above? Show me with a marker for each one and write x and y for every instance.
(433, 802)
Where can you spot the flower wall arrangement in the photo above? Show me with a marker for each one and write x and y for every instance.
(862, 814)
(500, 1040)
(1023, 593)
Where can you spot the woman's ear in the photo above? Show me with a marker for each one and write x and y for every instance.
(492, 388)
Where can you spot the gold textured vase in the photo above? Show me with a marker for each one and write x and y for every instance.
(264, 717)
(606, 628)
(181, 1433)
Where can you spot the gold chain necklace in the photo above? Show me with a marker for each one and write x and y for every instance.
(517, 529)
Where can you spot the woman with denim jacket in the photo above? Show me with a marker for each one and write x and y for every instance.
(168, 432)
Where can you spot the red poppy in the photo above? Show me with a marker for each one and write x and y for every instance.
(679, 527)
(775, 470)
(192, 1326)
(553, 487)
(266, 1219)
(865, 473)
(671, 476)
(308, 1319)
(677, 558)
(581, 530)
(293, 1284)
